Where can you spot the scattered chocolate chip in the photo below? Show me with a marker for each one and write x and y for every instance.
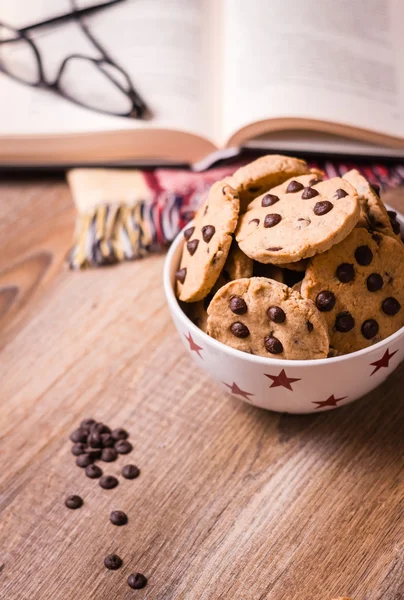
(322, 208)
(310, 326)
(108, 482)
(374, 282)
(109, 454)
(118, 517)
(113, 562)
(254, 189)
(294, 186)
(376, 188)
(94, 453)
(79, 436)
(345, 272)
(363, 255)
(256, 221)
(325, 301)
(192, 245)
(239, 330)
(93, 471)
(369, 329)
(188, 232)
(208, 231)
(123, 447)
(84, 460)
(340, 193)
(180, 275)
(120, 434)
(95, 439)
(269, 200)
(78, 449)
(137, 581)
(391, 306)
(274, 248)
(238, 305)
(344, 322)
(86, 423)
(309, 193)
(107, 440)
(273, 345)
(73, 502)
(130, 472)
(101, 428)
(272, 219)
(276, 314)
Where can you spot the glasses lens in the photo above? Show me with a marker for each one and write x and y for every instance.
(17, 56)
(95, 86)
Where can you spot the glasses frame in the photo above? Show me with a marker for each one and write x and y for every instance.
(138, 108)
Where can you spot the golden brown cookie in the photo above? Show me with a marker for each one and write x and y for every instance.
(358, 286)
(207, 243)
(298, 219)
(267, 318)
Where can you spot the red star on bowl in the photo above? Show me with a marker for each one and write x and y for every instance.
(382, 362)
(282, 380)
(238, 391)
(331, 401)
(192, 345)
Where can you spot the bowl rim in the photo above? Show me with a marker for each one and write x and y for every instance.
(176, 308)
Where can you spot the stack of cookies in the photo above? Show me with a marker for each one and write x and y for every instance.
(282, 264)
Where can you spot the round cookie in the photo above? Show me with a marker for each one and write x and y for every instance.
(374, 215)
(358, 286)
(263, 174)
(298, 219)
(207, 243)
(264, 317)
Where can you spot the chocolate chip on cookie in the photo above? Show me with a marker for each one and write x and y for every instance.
(309, 193)
(238, 305)
(272, 219)
(239, 330)
(345, 273)
(269, 200)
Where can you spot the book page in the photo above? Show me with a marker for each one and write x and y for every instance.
(330, 61)
(162, 44)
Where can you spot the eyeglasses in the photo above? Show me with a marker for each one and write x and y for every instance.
(96, 83)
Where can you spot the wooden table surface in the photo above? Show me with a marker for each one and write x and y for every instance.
(233, 503)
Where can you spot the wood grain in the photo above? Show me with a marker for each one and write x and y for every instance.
(233, 503)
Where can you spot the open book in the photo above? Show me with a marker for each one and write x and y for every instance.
(216, 75)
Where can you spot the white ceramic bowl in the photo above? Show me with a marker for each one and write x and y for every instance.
(291, 386)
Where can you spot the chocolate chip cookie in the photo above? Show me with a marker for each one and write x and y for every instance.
(207, 243)
(298, 219)
(358, 286)
(374, 215)
(264, 317)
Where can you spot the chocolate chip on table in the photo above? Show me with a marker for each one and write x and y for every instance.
(84, 460)
(192, 245)
(344, 322)
(363, 255)
(370, 328)
(345, 272)
(79, 436)
(273, 345)
(86, 423)
(269, 200)
(340, 193)
(78, 449)
(95, 453)
(391, 306)
(118, 517)
(73, 502)
(256, 221)
(309, 193)
(325, 301)
(137, 581)
(101, 428)
(239, 330)
(376, 188)
(93, 471)
(272, 219)
(294, 186)
(95, 439)
(276, 314)
(208, 231)
(113, 562)
(120, 434)
(374, 282)
(108, 482)
(123, 447)
(322, 208)
(107, 440)
(109, 455)
(130, 472)
(237, 305)
(180, 275)
(188, 232)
